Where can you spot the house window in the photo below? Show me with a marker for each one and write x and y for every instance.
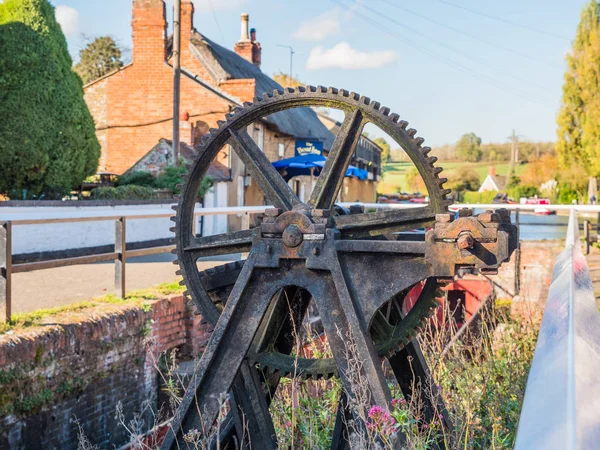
(281, 150)
(240, 190)
(261, 138)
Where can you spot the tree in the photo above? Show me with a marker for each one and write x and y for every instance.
(48, 143)
(463, 179)
(385, 149)
(99, 57)
(285, 80)
(414, 181)
(468, 147)
(579, 116)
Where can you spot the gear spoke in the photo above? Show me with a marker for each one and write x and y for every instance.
(333, 173)
(384, 222)
(220, 244)
(276, 190)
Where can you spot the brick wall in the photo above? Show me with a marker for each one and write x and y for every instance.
(537, 263)
(80, 365)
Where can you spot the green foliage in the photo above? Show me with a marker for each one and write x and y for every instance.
(468, 147)
(463, 179)
(479, 197)
(579, 115)
(385, 149)
(139, 178)
(171, 178)
(128, 192)
(99, 57)
(48, 143)
(523, 190)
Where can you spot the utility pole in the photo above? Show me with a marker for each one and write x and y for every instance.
(291, 61)
(176, 77)
(514, 154)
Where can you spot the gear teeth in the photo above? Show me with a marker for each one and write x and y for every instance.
(220, 123)
(290, 90)
(344, 92)
(395, 117)
(354, 96)
(178, 272)
(419, 141)
(182, 283)
(172, 229)
(445, 192)
(411, 132)
(332, 90)
(437, 171)
(174, 252)
(365, 100)
(385, 111)
(442, 181)
(375, 105)
(173, 219)
(311, 88)
(301, 88)
(175, 207)
(322, 89)
(432, 160)
(403, 124)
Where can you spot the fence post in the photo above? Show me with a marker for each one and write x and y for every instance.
(586, 235)
(121, 250)
(517, 287)
(5, 271)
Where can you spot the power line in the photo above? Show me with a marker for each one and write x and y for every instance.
(472, 36)
(212, 10)
(501, 19)
(464, 54)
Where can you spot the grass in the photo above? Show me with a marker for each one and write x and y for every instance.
(394, 174)
(138, 298)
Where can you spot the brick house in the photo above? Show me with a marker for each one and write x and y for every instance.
(133, 106)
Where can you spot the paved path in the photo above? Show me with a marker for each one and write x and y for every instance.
(64, 285)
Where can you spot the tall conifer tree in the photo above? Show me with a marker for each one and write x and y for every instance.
(48, 143)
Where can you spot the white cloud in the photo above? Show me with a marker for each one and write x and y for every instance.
(343, 56)
(217, 5)
(68, 18)
(317, 29)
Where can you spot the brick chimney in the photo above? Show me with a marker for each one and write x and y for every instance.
(247, 47)
(149, 28)
(492, 171)
(187, 24)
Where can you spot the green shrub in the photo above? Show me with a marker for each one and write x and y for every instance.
(128, 192)
(479, 197)
(48, 139)
(139, 178)
(523, 190)
(171, 178)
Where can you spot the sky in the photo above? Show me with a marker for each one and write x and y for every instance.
(446, 66)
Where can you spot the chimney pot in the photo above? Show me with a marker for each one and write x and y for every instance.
(253, 34)
(492, 171)
(245, 19)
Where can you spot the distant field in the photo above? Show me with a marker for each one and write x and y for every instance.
(394, 173)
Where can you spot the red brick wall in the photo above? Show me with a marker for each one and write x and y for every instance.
(80, 365)
(133, 107)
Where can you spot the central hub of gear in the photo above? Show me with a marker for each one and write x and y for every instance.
(292, 236)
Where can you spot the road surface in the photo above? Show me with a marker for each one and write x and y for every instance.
(61, 286)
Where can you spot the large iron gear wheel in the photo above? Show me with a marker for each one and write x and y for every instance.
(380, 223)
(206, 289)
(388, 337)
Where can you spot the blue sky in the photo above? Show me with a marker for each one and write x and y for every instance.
(439, 65)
